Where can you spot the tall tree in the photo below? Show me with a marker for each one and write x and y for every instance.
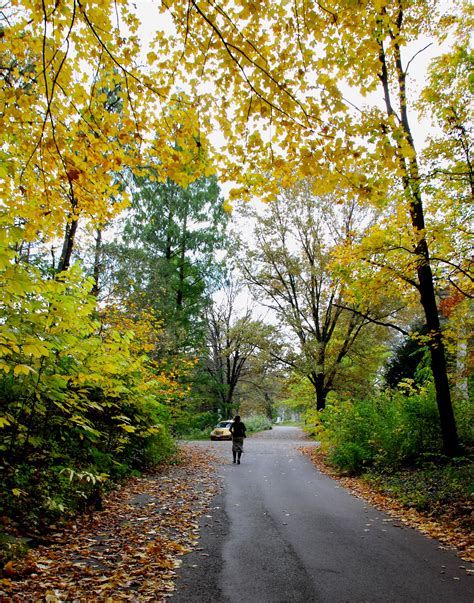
(288, 266)
(168, 258)
(232, 340)
(260, 389)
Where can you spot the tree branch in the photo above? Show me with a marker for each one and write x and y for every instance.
(373, 320)
(416, 54)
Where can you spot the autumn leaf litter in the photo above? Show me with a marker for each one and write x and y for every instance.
(131, 549)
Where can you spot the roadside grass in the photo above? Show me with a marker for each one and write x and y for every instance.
(197, 434)
(435, 496)
(438, 490)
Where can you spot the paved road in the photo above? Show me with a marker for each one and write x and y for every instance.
(282, 532)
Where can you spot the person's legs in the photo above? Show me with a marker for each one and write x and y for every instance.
(237, 449)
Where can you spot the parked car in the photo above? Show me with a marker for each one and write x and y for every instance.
(221, 431)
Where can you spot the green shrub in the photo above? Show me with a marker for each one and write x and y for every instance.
(464, 414)
(195, 425)
(385, 431)
(157, 448)
(255, 423)
(197, 434)
(350, 457)
(36, 497)
(65, 469)
(438, 488)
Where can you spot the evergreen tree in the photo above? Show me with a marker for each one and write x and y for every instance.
(166, 260)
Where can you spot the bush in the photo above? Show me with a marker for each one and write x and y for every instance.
(441, 488)
(197, 434)
(195, 425)
(255, 423)
(155, 449)
(386, 431)
(84, 397)
(464, 414)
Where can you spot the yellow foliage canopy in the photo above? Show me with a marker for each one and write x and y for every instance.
(78, 109)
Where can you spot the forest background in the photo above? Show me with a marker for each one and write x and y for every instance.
(123, 264)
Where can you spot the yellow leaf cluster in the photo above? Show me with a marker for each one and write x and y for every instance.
(77, 111)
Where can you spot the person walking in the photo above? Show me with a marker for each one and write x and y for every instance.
(237, 429)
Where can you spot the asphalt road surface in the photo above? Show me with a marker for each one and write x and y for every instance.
(283, 532)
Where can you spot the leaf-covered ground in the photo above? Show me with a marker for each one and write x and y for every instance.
(450, 524)
(128, 551)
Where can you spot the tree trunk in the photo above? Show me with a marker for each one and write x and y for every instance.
(411, 187)
(317, 380)
(426, 289)
(182, 262)
(68, 245)
(268, 406)
(438, 357)
(97, 263)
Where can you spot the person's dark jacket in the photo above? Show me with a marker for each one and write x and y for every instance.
(237, 429)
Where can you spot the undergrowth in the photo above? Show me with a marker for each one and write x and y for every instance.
(388, 431)
(439, 490)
